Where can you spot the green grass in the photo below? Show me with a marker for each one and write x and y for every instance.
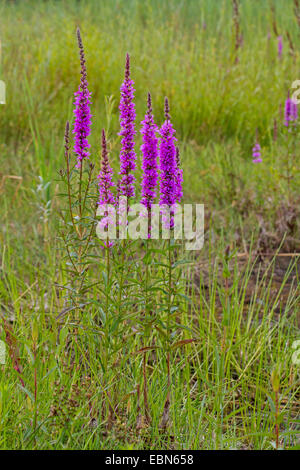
(243, 320)
(171, 55)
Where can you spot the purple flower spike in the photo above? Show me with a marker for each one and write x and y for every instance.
(105, 177)
(290, 111)
(127, 118)
(294, 111)
(178, 178)
(168, 167)
(256, 155)
(149, 150)
(82, 124)
(280, 46)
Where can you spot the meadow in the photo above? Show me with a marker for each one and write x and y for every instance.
(144, 345)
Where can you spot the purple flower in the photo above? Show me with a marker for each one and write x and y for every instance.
(178, 178)
(105, 177)
(287, 111)
(280, 46)
(256, 155)
(168, 167)
(149, 150)
(127, 117)
(294, 111)
(82, 124)
(290, 111)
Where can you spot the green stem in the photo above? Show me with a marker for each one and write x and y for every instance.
(169, 288)
(121, 280)
(79, 195)
(69, 191)
(107, 291)
(35, 387)
(147, 311)
(169, 305)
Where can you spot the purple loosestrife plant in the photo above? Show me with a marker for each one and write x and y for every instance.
(127, 118)
(290, 111)
(170, 192)
(167, 162)
(256, 154)
(149, 150)
(82, 124)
